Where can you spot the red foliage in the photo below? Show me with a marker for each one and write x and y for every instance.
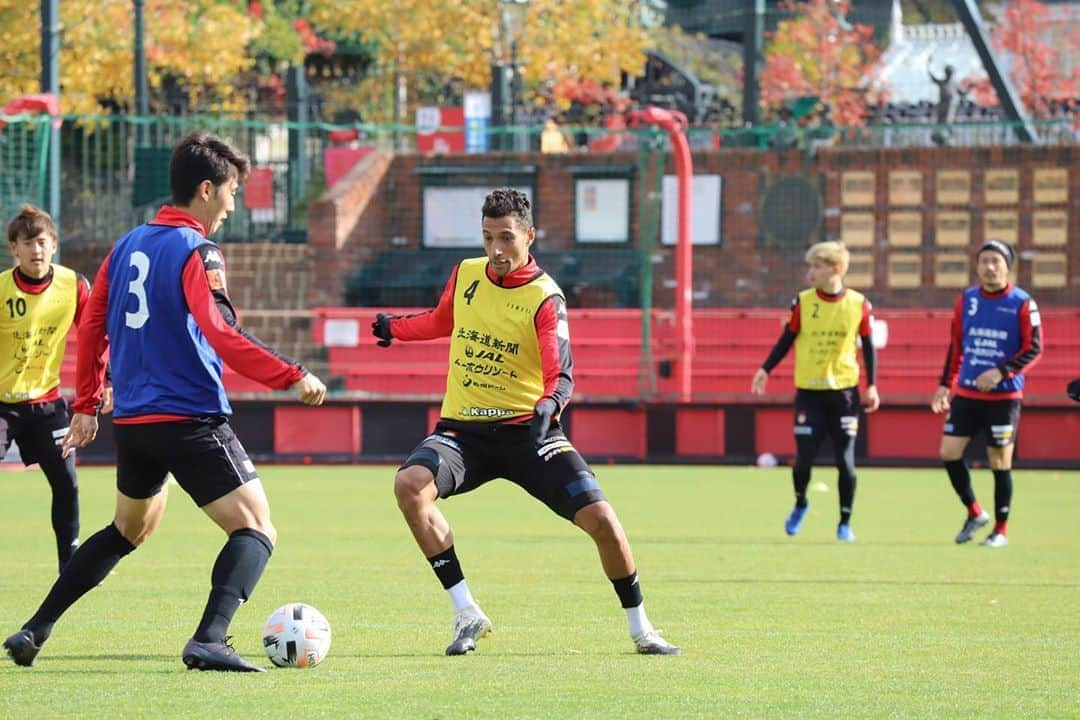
(818, 53)
(1036, 71)
(588, 92)
(313, 42)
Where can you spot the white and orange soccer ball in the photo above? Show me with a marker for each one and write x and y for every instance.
(296, 635)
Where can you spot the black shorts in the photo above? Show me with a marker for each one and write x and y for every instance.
(37, 428)
(827, 413)
(464, 458)
(1000, 419)
(203, 454)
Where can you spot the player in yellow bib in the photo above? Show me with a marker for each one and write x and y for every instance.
(826, 321)
(511, 376)
(40, 302)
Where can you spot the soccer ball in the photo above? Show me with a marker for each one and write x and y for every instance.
(296, 635)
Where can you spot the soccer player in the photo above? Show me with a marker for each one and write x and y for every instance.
(41, 301)
(160, 303)
(996, 337)
(510, 377)
(827, 320)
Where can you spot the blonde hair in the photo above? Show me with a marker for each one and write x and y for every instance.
(831, 253)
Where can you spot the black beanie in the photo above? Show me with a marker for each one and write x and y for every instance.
(1074, 389)
(999, 247)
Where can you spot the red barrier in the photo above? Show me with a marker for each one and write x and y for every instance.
(729, 346)
(332, 430)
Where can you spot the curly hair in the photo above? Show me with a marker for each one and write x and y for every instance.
(507, 201)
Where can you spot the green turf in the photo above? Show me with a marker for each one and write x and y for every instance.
(901, 624)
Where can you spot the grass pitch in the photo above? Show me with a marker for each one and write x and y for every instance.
(901, 624)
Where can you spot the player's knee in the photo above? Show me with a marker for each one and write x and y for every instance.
(267, 528)
(599, 521)
(135, 533)
(409, 485)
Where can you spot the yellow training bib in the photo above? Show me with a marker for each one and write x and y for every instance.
(495, 367)
(34, 330)
(825, 346)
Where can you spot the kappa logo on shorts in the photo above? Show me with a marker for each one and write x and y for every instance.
(1001, 432)
(552, 448)
(801, 418)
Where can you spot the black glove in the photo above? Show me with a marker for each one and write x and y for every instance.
(381, 329)
(541, 422)
(1074, 389)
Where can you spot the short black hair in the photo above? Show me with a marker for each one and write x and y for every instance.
(507, 201)
(202, 156)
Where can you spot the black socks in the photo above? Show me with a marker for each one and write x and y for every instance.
(236, 571)
(447, 568)
(87, 568)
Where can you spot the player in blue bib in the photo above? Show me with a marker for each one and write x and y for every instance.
(996, 337)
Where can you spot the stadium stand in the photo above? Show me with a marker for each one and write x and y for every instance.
(612, 361)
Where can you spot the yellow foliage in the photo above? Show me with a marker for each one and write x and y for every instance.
(460, 40)
(201, 42)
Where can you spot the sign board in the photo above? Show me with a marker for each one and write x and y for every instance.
(857, 188)
(953, 187)
(1002, 187)
(905, 187)
(452, 215)
(602, 210)
(952, 228)
(857, 229)
(440, 130)
(477, 121)
(706, 193)
(905, 229)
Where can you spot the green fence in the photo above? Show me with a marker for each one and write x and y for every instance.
(24, 151)
(114, 168)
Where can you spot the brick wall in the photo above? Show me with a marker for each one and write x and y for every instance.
(379, 207)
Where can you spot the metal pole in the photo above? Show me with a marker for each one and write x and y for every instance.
(753, 39)
(515, 90)
(50, 83)
(142, 100)
(296, 98)
(1010, 102)
(675, 124)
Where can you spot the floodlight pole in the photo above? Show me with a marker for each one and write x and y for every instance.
(675, 124)
(1006, 93)
(50, 83)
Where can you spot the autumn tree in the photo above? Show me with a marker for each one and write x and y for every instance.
(212, 52)
(816, 53)
(426, 44)
(1030, 34)
(200, 43)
